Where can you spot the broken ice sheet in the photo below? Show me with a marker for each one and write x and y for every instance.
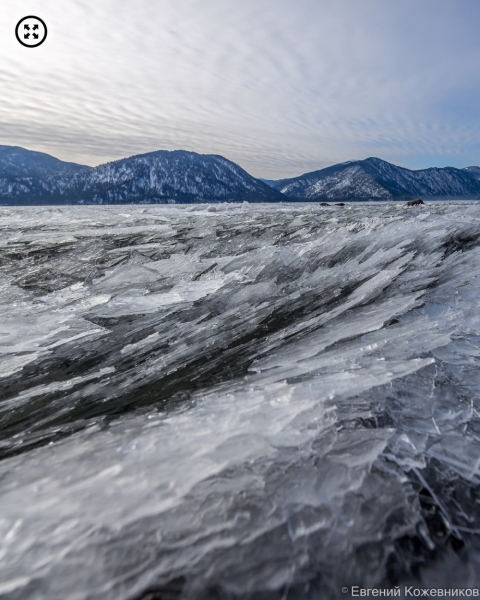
(255, 400)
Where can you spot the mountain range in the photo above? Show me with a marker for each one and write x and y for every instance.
(375, 179)
(34, 178)
(157, 177)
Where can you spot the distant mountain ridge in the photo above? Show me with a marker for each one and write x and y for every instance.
(473, 172)
(155, 177)
(18, 162)
(179, 176)
(376, 179)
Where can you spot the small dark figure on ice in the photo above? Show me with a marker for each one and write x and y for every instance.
(415, 202)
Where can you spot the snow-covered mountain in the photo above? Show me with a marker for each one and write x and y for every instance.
(156, 177)
(18, 162)
(375, 179)
(473, 172)
(160, 177)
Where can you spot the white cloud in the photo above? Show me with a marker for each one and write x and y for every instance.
(277, 86)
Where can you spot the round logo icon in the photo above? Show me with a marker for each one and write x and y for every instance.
(31, 31)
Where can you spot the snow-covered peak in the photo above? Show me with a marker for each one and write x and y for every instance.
(376, 179)
(156, 177)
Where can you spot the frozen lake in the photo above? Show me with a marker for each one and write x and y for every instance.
(238, 401)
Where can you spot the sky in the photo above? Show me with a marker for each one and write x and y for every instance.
(280, 87)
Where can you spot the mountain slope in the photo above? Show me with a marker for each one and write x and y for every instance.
(186, 177)
(375, 179)
(19, 162)
(156, 177)
(473, 172)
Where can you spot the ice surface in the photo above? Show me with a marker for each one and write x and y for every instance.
(271, 401)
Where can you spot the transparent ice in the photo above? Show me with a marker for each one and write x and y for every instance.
(238, 401)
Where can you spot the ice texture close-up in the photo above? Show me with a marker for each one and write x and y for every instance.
(235, 401)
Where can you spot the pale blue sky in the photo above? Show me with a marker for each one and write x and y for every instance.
(280, 87)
